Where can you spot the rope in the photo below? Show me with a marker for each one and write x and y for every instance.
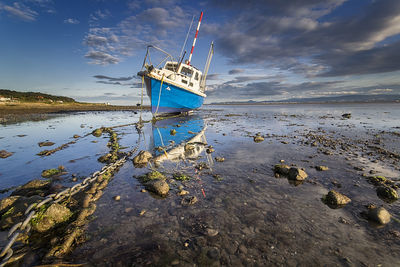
(159, 94)
(141, 101)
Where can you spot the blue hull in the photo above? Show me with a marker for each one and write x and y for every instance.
(172, 99)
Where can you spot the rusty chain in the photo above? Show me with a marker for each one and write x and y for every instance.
(24, 227)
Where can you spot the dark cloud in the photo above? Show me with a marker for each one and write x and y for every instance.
(213, 77)
(281, 34)
(101, 58)
(242, 79)
(111, 83)
(103, 77)
(376, 60)
(236, 71)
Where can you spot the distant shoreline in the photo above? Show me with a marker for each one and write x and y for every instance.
(26, 108)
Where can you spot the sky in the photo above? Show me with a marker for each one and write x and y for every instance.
(91, 50)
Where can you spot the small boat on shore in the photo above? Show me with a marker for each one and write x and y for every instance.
(177, 86)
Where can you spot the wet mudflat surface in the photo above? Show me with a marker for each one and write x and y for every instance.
(245, 214)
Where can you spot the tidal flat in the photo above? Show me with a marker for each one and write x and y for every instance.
(226, 203)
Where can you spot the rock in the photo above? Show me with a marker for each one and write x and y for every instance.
(117, 198)
(346, 115)
(98, 132)
(219, 159)
(76, 136)
(52, 172)
(5, 154)
(34, 187)
(377, 180)
(321, 168)
(13, 209)
(142, 158)
(210, 150)
(336, 199)
(213, 253)
(49, 218)
(297, 174)
(172, 132)
(211, 232)
(153, 175)
(183, 193)
(258, 138)
(189, 200)
(282, 169)
(379, 215)
(158, 186)
(387, 193)
(46, 143)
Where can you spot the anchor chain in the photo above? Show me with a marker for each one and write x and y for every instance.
(30, 212)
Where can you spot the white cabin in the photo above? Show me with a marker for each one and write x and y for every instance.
(183, 75)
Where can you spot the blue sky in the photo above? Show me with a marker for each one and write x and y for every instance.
(264, 50)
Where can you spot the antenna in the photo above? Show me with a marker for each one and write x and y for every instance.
(195, 37)
(187, 35)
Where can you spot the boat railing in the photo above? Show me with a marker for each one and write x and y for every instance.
(147, 59)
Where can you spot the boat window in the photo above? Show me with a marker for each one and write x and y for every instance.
(186, 71)
(170, 66)
(184, 81)
(196, 76)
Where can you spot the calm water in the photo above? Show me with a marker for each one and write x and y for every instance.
(259, 219)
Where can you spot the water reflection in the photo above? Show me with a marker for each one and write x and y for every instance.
(178, 138)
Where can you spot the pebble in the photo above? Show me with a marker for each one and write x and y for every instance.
(117, 198)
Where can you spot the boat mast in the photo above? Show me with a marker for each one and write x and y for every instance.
(207, 66)
(195, 37)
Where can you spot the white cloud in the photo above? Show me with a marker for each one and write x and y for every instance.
(20, 11)
(71, 21)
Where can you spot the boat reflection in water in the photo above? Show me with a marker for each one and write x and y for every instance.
(186, 143)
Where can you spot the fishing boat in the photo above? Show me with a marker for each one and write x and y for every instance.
(174, 86)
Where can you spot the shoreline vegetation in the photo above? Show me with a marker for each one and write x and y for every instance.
(13, 103)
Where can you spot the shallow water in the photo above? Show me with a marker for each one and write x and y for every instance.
(259, 219)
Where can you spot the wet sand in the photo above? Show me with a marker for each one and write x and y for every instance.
(245, 214)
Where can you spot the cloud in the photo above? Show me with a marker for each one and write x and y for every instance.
(71, 21)
(236, 71)
(298, 36)
(375, 60)
(213, 77)
(112, 78)
(20, 11)
(99, 15)
(101, 58)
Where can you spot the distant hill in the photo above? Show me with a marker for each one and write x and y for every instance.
(334, 99)
(33, 97)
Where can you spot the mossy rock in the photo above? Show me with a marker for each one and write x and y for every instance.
(181, 176)
(335, 199)
(282, 169)
(377, 180)
(52, 172)
(153, 175)
(31, 188)
(173, 132)
(387, 193)
(98, 132)
(47, 218)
